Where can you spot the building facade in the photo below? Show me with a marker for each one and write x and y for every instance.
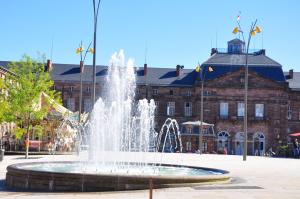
(273, 98)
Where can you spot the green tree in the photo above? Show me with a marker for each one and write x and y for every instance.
(23, 99)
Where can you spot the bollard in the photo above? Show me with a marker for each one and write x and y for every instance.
(150, 188)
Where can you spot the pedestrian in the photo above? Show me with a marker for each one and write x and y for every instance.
(296, 148)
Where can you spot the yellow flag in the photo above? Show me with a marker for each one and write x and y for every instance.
(198, 69)
(77, 50)
(257, 29)
(235, 30)
(210, 69)
(253, 33)
(91, 50)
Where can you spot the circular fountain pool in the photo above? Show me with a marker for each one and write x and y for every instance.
(78, 176)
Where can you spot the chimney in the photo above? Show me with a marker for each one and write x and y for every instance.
(263, 51)
(291, 73)
(48, 67)
(145, 69)
(179, 70)
(81, 66)
(213, 51)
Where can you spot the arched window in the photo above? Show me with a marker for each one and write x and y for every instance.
(223, 140)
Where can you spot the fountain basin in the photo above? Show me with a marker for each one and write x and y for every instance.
(39, 176)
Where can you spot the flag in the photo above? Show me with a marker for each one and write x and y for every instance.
(77, 50)
(198, 68)
(235, 30)
(238, 18)
(257, 29)
(210, 69)
(91, 50)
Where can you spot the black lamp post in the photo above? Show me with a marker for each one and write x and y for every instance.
(96, 11)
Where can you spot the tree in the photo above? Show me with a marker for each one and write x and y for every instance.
(23, 99)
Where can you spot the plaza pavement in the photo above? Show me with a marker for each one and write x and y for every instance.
(258, 177)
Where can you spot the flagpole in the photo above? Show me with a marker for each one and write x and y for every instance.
(201, 116)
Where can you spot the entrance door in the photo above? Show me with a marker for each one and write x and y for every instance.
(259, 144)
(223, 141)
(239, 143)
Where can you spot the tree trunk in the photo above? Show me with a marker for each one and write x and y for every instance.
(27, 140)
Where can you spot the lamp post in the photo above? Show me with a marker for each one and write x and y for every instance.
(96, 11)
(253, 30)
(80, 51)
(202, 74)
(201, 118)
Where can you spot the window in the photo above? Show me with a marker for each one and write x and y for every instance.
(259, 110)
(223, 110)
(71, 88)
(188, 108)
(241, 109)
(88, 89)
(171, 92)
(137, 91)
(299, 113)
(188, 93)
(87, 106)
(188, 146)
(189, 130)
(156, 107)
(71, 104)
(289, 113)
(171, 109)
(155, 91)
(206, 93)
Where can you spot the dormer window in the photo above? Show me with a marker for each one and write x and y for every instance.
(236, 46)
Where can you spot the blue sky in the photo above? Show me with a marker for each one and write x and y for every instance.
(174, 31)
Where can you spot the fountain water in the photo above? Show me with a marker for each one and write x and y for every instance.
(169, 137)
(118, 123)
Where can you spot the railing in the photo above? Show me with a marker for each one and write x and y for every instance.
(243, 51)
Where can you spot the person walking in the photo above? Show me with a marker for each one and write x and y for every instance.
(296, 148)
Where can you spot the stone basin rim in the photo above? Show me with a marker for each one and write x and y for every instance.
(18, 178)
(225, 174)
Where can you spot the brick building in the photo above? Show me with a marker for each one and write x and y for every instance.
(273, 98)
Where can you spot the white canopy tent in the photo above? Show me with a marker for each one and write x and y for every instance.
(197, 123)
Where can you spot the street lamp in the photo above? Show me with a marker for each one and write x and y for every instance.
(253, 30)
(96, 11)
(202, 72)
(80, 51)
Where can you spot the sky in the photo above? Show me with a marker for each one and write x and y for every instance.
(165, 32)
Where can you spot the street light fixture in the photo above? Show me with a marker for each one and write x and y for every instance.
(80, 50)
(202, 72)
(253, 30)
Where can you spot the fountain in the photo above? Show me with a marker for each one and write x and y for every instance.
(121, 143)
(169, 136)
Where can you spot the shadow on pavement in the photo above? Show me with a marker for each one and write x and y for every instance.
(29, 158)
